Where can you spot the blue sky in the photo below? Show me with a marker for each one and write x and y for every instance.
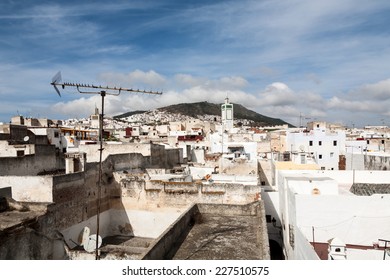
(327, 60)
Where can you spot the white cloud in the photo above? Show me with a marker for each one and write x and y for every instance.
(196, 90)
(356, 105)
(186, 80)
(378, 91)
(277, 94)
(136, 78)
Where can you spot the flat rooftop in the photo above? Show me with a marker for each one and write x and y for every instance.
(215, 232)
(219, 237)
(19, 214)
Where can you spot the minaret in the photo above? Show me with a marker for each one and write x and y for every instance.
(227, 115)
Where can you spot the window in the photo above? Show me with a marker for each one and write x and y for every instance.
(268, 218)
(383, 141)
(56, 134)
(318, 125)
(320, 156)
(368, 141)
(334, 143)
(331, 154)
(19, 153)
(310, 143)
(319, 143)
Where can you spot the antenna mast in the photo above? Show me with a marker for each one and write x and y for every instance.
(103, 91)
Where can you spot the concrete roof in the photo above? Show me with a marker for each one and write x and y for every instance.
(219, 237)
(19, 214)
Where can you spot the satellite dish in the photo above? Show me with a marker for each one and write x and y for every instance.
(90, 244)
(301, 148)
(26, 138)
(84, 236)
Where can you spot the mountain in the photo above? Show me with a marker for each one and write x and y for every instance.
(128, 114)
(198, 109)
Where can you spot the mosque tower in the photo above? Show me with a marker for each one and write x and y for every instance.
(227, 115)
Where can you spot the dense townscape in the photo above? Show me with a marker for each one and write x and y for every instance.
(169, 186)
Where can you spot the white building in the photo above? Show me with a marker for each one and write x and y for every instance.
(319, 214)
(322, 145)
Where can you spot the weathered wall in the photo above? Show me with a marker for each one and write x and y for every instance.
(265, 172)
(29, 188)
(114, 149)
(238, 166)
(21, 237)
(164, 246)
(29, 244)
(376, 162)
(149, 223)
(153, 155)
(72, 235)
(161, 248)
(137, 191)
(46, 158)
(7, 150)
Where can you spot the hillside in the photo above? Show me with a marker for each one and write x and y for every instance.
(128, 114)
(198, 109)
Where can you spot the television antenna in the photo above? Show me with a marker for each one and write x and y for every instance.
(103, 91)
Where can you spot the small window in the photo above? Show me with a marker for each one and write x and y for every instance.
(334, 143)
(310, 143)
(19, 153)
(56, 134)
(318, 125)
(331, 154)
(268, 218)
(337, 250)
(319, 143)
(320, 156)
(322, 167)
(368, 141)
(383, 141)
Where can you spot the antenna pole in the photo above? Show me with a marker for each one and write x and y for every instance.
(104, 90)
(102, 94)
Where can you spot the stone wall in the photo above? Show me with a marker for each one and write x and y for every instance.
(29, 188)
(376, 162)
(153, 155)
(166, 245)
(46, 159)
(139, 191)
(29, 244)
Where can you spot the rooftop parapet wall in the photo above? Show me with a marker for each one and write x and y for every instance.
(164, 193)
(153, 155)
(93, 153)
(29, 188)
(45, 159)
(376, 162)
(167, 245)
